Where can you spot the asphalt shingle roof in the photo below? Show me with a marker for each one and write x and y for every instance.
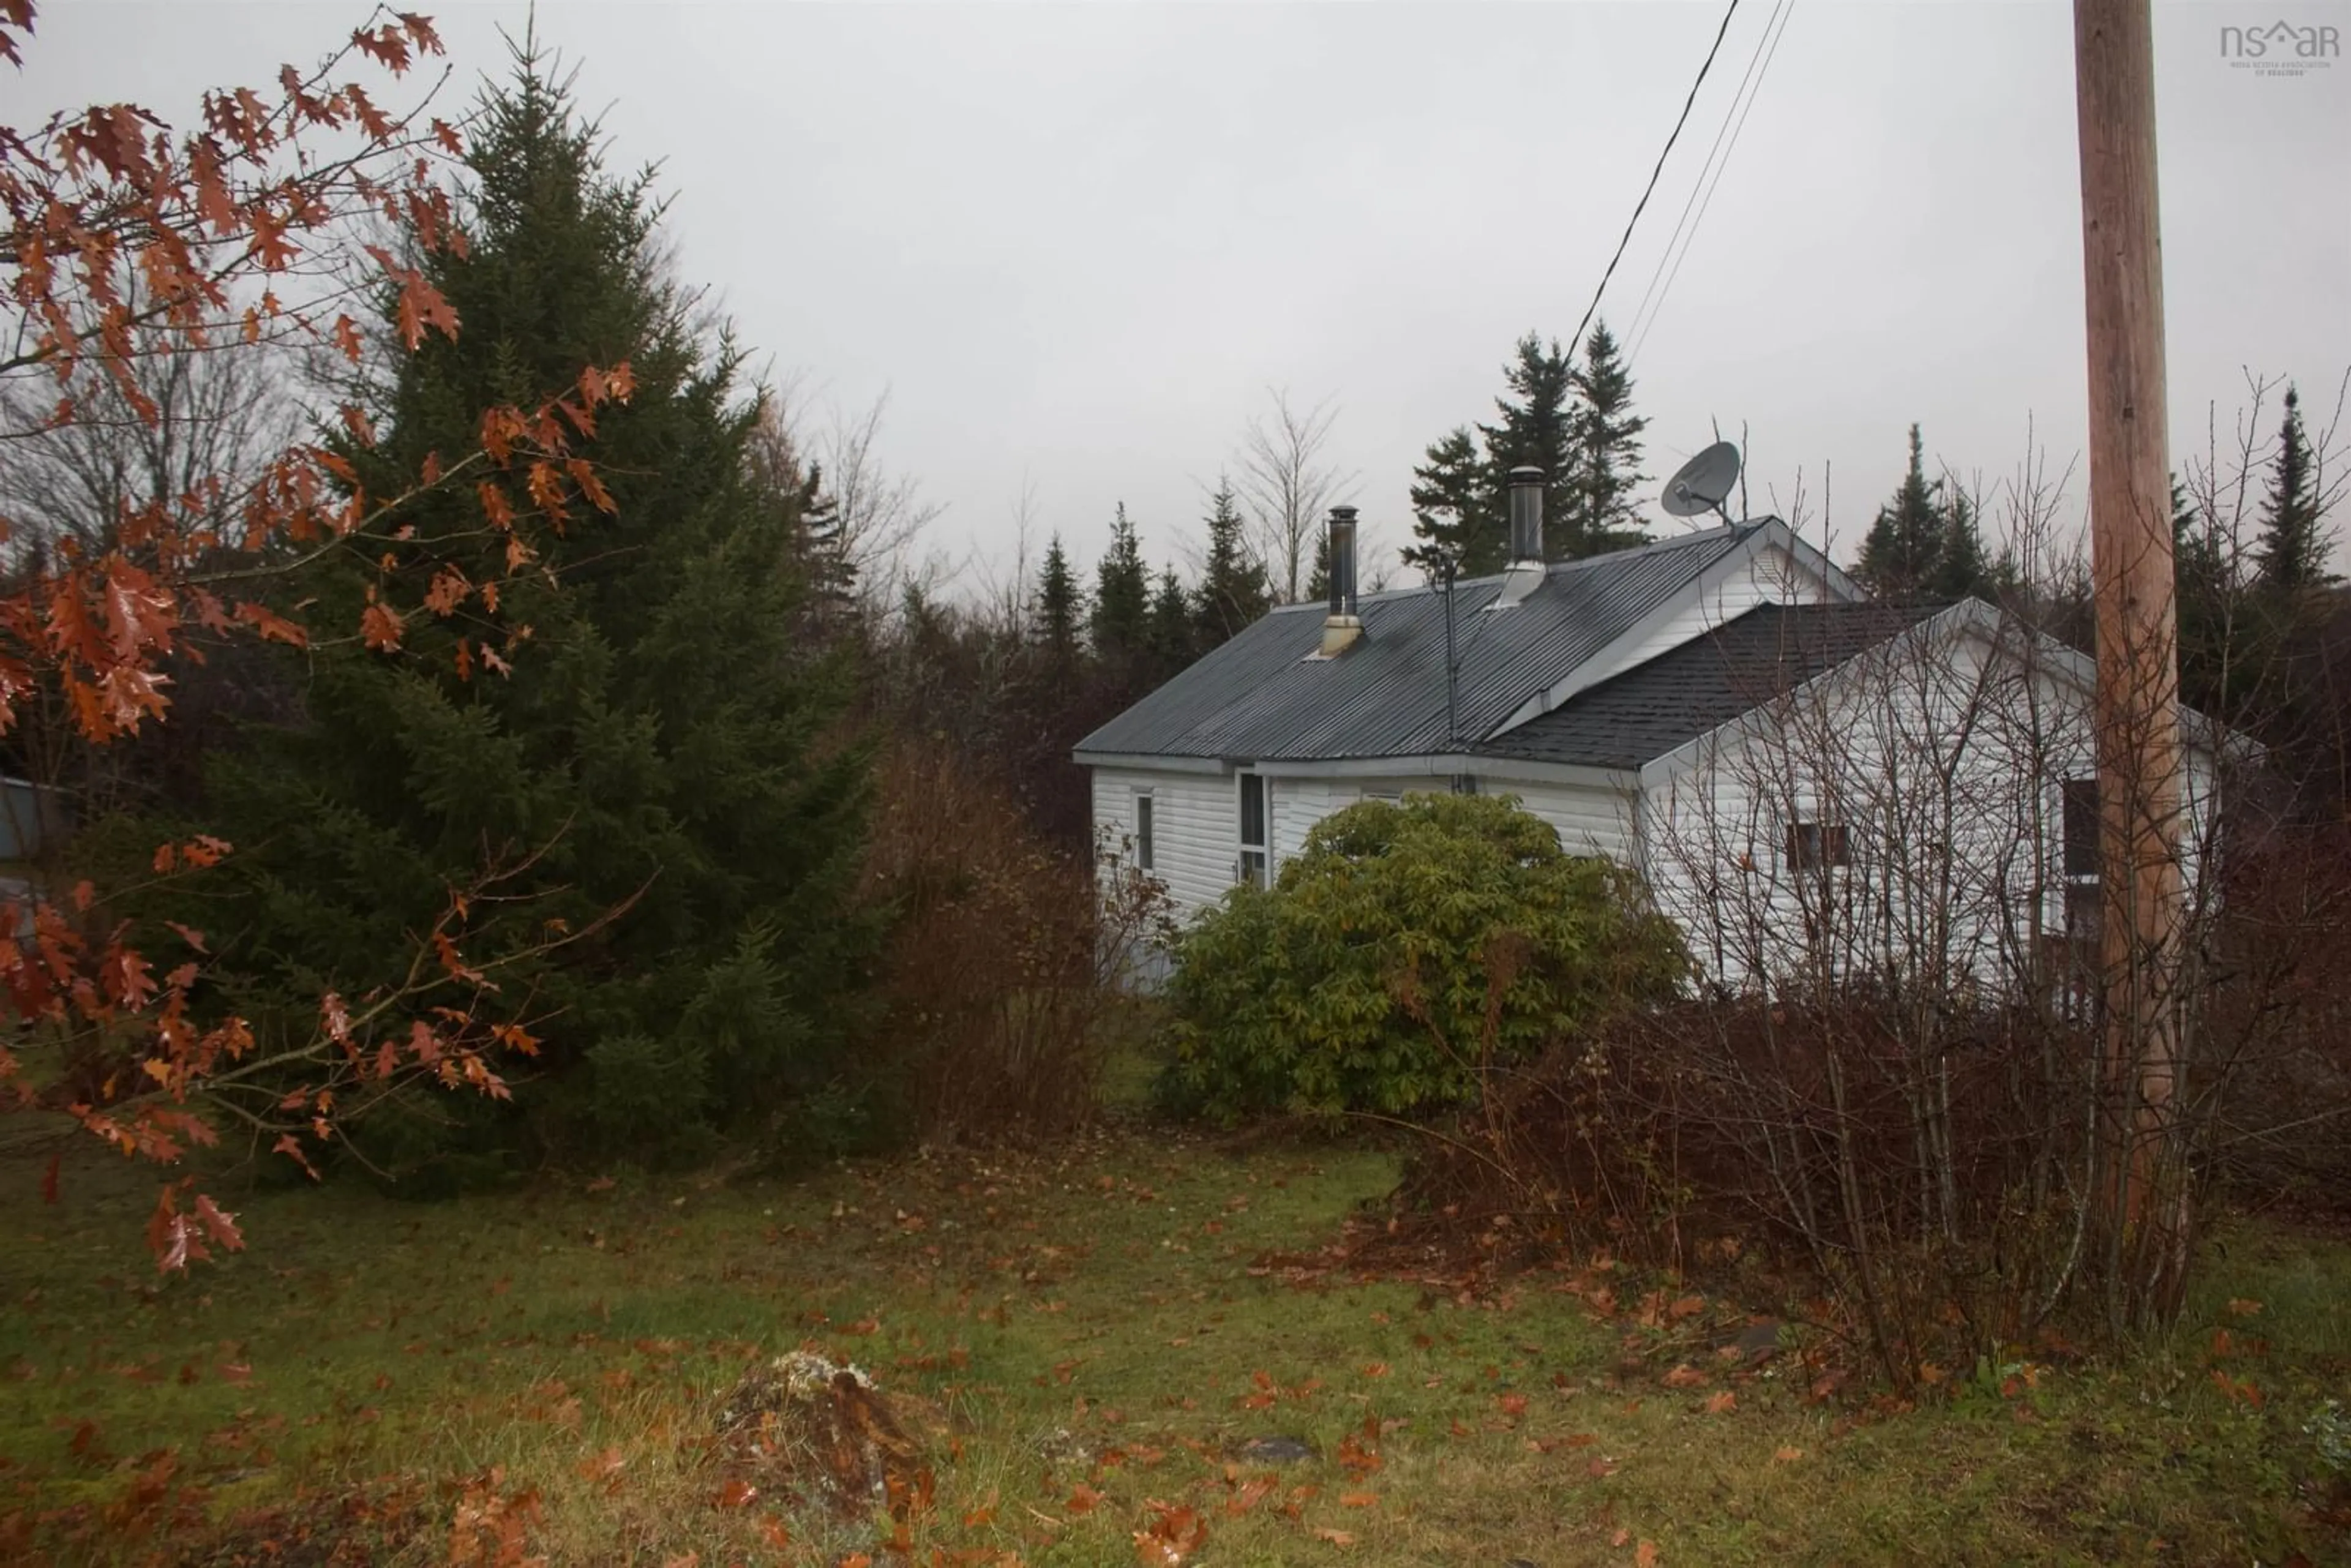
(1673, 698)
(1260, 697)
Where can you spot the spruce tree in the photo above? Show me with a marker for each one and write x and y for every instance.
(1233, 593)
(1961, 569)
(2292, 549)
(2212, 638)
(1458, 518)
(645, 765)
(1122, 611)
(1605, 459)
(1059, 603)
(1537, 430)
(1318, 581)
(1170, 628)
(1899, 555)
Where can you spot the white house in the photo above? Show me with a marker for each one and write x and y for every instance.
(1802, 776)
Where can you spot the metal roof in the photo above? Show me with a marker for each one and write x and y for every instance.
(1263, 696)
(1657, 706)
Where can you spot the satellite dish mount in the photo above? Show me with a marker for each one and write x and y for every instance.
(1703, 484)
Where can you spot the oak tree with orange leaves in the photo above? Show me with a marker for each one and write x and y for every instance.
(314, 216)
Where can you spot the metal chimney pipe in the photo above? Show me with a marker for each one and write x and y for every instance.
(1342, 560)
(1341, 626)
(1526, 514)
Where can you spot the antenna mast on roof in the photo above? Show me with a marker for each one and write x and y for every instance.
(1447, 568)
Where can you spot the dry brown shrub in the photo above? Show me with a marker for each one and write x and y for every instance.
(2282, 1010)
(1001, 986)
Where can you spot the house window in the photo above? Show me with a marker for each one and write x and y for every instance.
(1252, 866)
(2081, 827)
(1465, 784)
(1812, 846)
(1142, 831)
(2083, 901)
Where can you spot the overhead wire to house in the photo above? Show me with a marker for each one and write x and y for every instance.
(1767, 48)
(1638, 207)
(1576, 339)
(1699, 185)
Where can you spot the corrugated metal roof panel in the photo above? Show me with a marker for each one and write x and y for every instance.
(1261, 696)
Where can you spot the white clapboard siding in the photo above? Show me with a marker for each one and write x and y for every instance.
(1196, 829)
(1589, 820)
(1980, 874)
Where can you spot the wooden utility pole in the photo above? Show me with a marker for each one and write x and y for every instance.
(2138, 668)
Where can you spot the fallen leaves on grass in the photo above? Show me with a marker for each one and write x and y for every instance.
(1787, 1455)
(2235, 1388)
(1722, 1402)
(1684, 1376)
(492, 1526)
(1249, 1494)
(1340, 1538)
(604, 1467)
(1174, 1534)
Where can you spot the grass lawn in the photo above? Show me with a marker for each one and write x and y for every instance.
(1088, 1338)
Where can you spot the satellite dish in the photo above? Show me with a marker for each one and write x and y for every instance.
(1703, 483)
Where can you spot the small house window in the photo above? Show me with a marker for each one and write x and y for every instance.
(2081, 827)
(2084, 899)
(1813, 846)
(1143, 831)
(1251, 868)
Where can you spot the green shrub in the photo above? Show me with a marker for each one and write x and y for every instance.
(1405, 950)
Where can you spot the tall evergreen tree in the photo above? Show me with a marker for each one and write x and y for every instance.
(2292, 549)
(1169, 633)
(1576, 425)
(1122, 611)
(1232, 587)
(1318, 581)
(1537, 430)
(1458, 518)
(1060, 603)
(1961, 569)
(1899, 556)
(623, 728)
(2214, 640)
(1598, 511)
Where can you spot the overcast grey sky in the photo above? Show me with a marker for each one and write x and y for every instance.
(1074, 243)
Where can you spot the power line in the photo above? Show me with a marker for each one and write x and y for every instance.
(1773, 53)
(1576, 341)
(1730, 111)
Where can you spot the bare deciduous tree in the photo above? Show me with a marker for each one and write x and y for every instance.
(216, 420)
(1287, 482)
(861, 520)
